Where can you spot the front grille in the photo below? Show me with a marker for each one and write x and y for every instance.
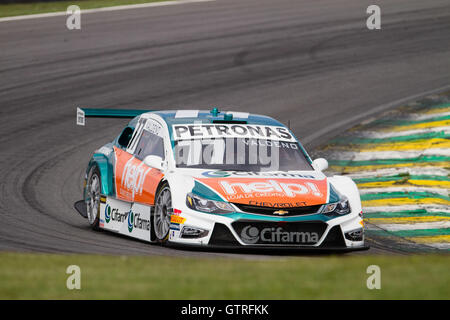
(295, 211)
(222, 236)
(334, 238)
(279, 233)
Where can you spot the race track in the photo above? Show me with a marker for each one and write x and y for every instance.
(311, 62)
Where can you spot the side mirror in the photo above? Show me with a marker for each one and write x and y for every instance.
(320, 164)
(154, 162)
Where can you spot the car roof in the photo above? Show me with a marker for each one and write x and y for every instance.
(212, 116)
(205, 116)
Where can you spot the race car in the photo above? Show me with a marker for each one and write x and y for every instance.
(219, 179)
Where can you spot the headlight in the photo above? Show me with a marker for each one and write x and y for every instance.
(210, 206)
(339, 208)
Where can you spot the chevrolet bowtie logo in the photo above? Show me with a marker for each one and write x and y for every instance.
(280, 212)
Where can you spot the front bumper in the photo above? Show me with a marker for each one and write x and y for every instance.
(332, 239)
(342, 233)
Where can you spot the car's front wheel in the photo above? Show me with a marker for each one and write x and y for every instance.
(92, 196)
(163, 211)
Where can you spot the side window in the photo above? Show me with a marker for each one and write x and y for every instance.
(149, 144)
(125, 137)
(136, 135)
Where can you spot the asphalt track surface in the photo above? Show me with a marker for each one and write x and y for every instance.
(313, 63)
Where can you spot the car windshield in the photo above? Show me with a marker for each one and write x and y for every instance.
(240, 154)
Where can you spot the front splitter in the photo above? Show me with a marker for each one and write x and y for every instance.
(265, 249)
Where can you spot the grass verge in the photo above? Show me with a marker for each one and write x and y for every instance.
(43, 276)
(19, 9)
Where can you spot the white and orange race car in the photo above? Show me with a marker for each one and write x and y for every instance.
(220, 179)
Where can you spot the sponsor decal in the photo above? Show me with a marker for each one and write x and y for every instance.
(135, 182)
(294, 204)
(277, 193)
(153, 127)
(133, 177)
(174, 226)
(271, 174)
(113, 214)
(177, 219)
(176, 212)
(216, 174)
(107, 213)
(280, 174)
(252, 235)
(288, 189)
(136, 222)
(130, 221)
(270, 143)
(81, 120)
(206, 131)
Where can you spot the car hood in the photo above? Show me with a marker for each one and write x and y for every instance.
(268, 189)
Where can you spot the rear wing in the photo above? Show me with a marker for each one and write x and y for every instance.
(83, 113)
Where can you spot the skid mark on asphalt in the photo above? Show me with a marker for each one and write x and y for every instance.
(401, 164)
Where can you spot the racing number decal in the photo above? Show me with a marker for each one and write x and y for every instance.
(135, 181)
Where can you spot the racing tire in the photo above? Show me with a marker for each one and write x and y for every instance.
(92, 197)
(162, 213)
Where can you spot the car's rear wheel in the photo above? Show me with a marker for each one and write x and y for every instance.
(163, 211)
(92, 197)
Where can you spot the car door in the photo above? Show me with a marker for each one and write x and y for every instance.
(134, 180)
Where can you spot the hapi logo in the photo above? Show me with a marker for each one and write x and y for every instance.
(289, 189)
(133, 177)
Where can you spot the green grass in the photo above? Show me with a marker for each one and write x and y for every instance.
(9, 10)
(41, 276)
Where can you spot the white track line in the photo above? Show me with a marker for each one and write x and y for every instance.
(365, 115)
(417, 171)
(429, 116)
(440, 191)
(427, 207)
(439, 245)
(412, 226)
(105, 9)
(374, 155)
(383, 135)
